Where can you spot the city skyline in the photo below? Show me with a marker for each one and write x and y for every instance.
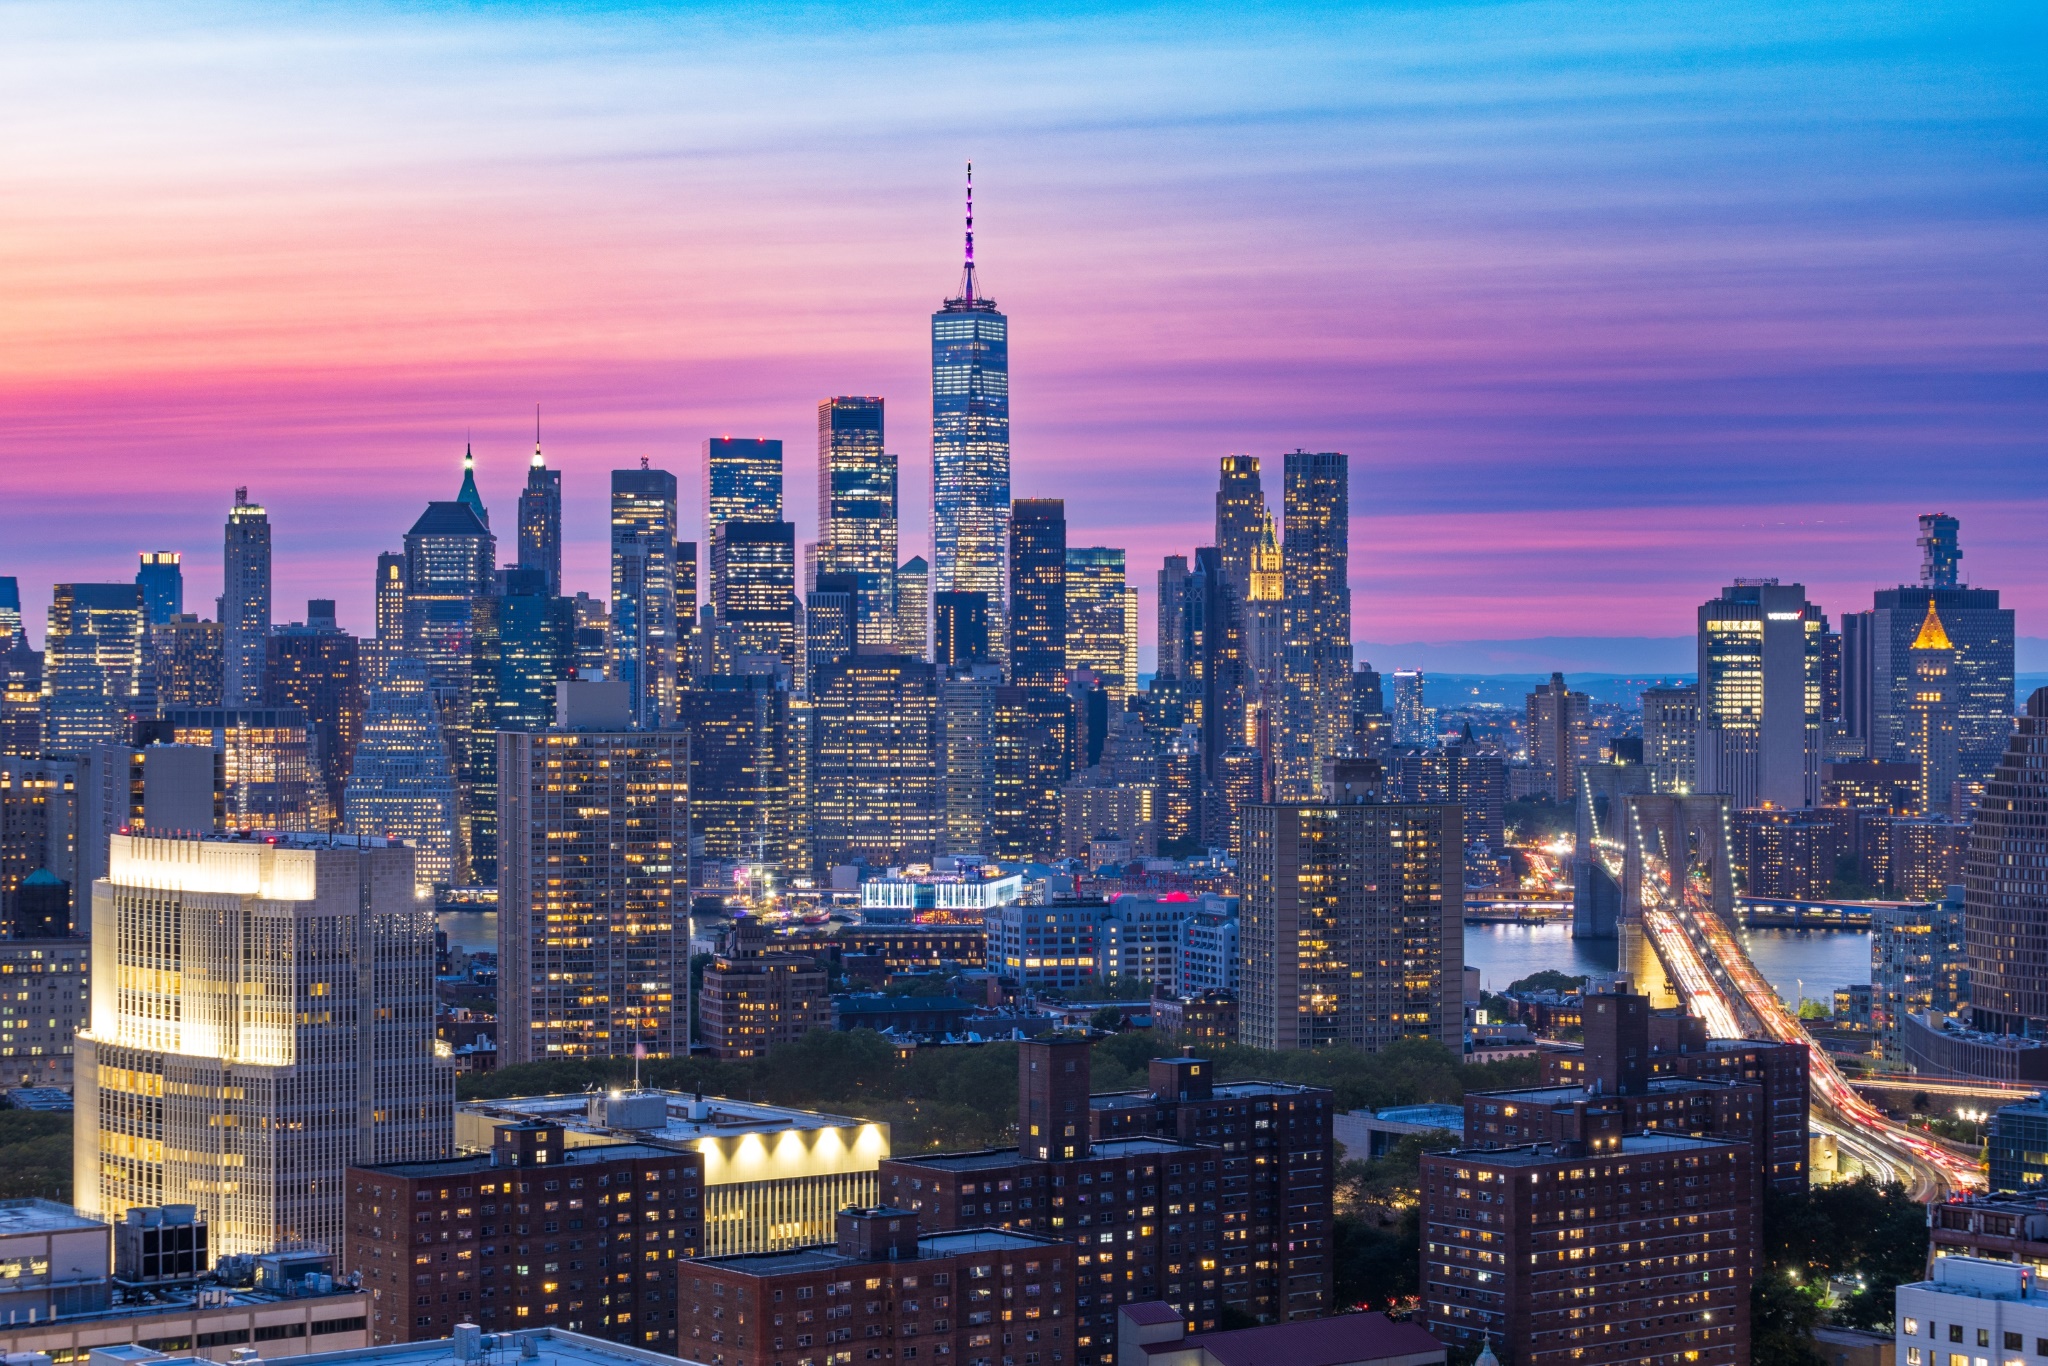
(1595, 337)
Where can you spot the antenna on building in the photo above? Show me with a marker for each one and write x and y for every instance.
(537, 461)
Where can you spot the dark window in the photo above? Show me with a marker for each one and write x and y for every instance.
(278, 1331)
(354, 1325)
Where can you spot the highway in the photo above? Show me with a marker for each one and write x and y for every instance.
(1721, 986)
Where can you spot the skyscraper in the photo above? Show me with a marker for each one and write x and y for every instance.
(277, 1024)
(266, 763)
(959, 630)
(1931, 713)
(1353, 926)
(739, 767)
(644, 591)
(1102, 619)
(1759, 695)
(831, 624)
(92, 665)
(874, 772)
(10, 610)
(1559, 736)
(857, 510)
(316, 667)
(390, 610)
(971, 442)
(2005, 885)
(186, 658)
(467, 495)
(742, 483)
(1242, 521)
(163, 586)
(1671, 725)
(1315, 711)
(914, 607)
(245, 601)
(540, 519)
(401, 783)
(1169, 627)
(754, 564)
(1038, 593)
(594, 951)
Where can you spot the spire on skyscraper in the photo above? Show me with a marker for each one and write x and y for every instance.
(970, 290)
(469, 494)
(538, 462)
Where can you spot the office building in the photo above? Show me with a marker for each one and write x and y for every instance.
(1879, 666)
(1314, 722)
(689, 609)
(960, 636)
(1102, 619)
(1212, 678)
(197, 1082)
(531, 648)
(1988, 1309)
(39, 824)
(450, 567)
(1559, 735)
(753, 564)
(2016, 1145)
(1257, 1243)
(857, 526)
(1671, 723)
(186, 657)
(1241, 520)
(831, 623)
(389, 607)
(1353, 925)
(874, 762)
(1371, 725)
(1038, 593)
(1507, 1260)
(971, 443)
(47, 970)
(964, 747)
(10, 610)
(1760, 695)
(593, 949)
(883, 1279)
(92, 666)
(2005, 885)
(1919, 961)
(269, 780)
(1055, 947)
(643, 626)
(401, 783)
(1932, 716)
(540, 521)
(21, 698)
(244, 602)
(740, 736)
(742, 481)
(1414, 718)
(162, 582)
(623, 1217)
(914, 607)
(754, 1001)
(1031, 740)
(1170, 623)
(316, 667)
(774, 1176)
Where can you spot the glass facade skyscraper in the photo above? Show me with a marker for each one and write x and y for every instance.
(162, 582)
(245, 602)
(857, 510)
(971, 442)
(540, 521)
(1315, 670)
(644, 591)
(401, 783)
(1038, 593)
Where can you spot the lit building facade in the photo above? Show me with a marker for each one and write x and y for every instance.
(857, 527)
(1315, 712)
(2005, 885)
(643, 625)
(540, 522)
(1559, 737)
(1671, 723)
(162, 581)
(245, 601)
(267, 768)
(753, 569)
(316, 668)
(1038, 593)
(92, 666)
(874, 765)
(971, 443)
(400, 781)
(1102, 619)
(739, 733)
(186, 656)
(593, 869)
(268, 1020)
(1760, 656)
(1931, 714)
(914, 607)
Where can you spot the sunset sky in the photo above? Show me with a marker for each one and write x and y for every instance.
(1609, 303)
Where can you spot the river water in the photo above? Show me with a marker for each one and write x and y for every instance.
(1811, 963)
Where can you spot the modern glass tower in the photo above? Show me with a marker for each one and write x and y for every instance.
(401, 783)
(971, 442)
(1315, 669)
(857, 509)
(245, 601)
(644, 591)
(540, 519)
(162, 582)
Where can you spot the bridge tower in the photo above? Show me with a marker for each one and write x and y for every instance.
(1672, 846)
(1596, 895)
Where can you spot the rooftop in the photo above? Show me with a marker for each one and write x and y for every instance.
(1545, 1154)
(824, 1256)
(18, 1217)
(716, 1116)
(1982, 1279)
(1572, 1094)
(1009, 1157)
(1114, 1100)
(476, 1162)
(1312, 1342)
(551, 1347)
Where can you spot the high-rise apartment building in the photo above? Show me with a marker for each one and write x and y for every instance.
(914, 607)
(186, 658)
(754, 566)
(753, 1000)
(1414, 718)
(40, 815)
(1353, 925)
(401, 783)
(1315, 711)
(857, 527)
(1879, 664)
(971, 443)
(1170, 625)
(593, 946)
(1760, 695)
(1038, 593)
(315, 666)
(2005, 885)
(274, 1023)
(1102, 619)
(389, 642)
(1671, 724)
(1212, 660)
(245, 601)
(874, 769)
(1371, 727)
(540, 521)
(643, 628)
(1559, 735)
(92, 666)
(1242, 521)
(162, 582)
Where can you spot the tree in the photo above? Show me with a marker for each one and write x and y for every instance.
(1782, 1317)
(1548, 980)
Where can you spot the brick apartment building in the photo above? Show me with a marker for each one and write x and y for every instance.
(886, 1292)
(531, 1234)
(1200, 1195)
(753, 1000)
(1606, 1248)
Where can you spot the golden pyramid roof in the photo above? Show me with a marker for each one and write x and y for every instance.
(1932, 636)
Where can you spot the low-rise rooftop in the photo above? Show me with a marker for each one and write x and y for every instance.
(824, 1256)
(1540, 1154)
(18, 1217)
(476, 1162)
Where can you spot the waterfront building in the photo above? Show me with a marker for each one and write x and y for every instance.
(246, 1062)
(643, 627)
(593, 949)
(971, 443)
(1038, 593)
(401, 783)
(1353, 925)
(540, 520)
(1919, 962)
(244, 601)
(1760, 656)
(1315, 713)
(2005, 885)
(857, 526)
